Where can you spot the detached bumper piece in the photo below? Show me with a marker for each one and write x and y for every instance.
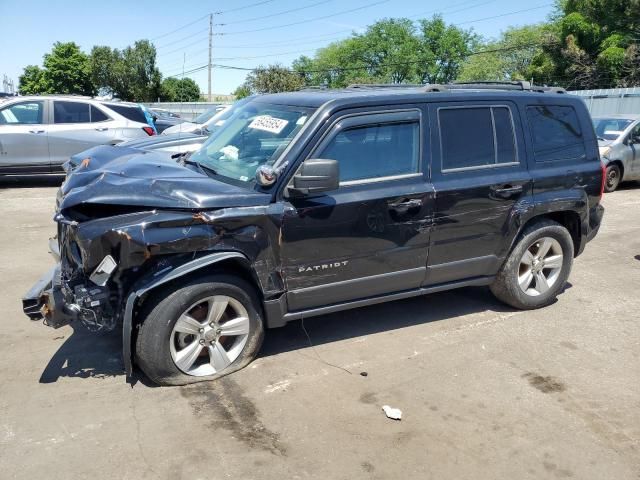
(45, 301)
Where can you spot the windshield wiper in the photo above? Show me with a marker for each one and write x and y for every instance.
(200, 166)
(603, 139)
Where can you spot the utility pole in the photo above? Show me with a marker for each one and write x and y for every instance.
(210, 50)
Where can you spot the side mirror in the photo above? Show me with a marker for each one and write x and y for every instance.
(315, 176)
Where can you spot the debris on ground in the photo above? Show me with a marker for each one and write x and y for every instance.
(363, 374)
(392, 413)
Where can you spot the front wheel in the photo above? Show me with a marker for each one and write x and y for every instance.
(203, 330)
(537, 268)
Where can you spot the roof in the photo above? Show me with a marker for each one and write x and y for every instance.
(624, 116)
(317, 97)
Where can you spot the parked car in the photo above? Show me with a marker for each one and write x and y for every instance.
(38, 134)
(200, 123)
(163, 119)
(619, 142)
(163, 113)
(313, 202)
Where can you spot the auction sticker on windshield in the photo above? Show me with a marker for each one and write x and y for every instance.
(268, 124)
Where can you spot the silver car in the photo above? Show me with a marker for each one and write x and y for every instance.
(38, 134)
(619, 142)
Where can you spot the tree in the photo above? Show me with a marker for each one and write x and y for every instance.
(31, 82)
(595, 42)
(391, 51)
(179, 90)
(273, 79)
(443, 49)
(517, 55)
(130, 74)
(67, 70)
(241, 92)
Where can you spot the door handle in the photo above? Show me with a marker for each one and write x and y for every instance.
(405, 205)
(507, 190)
(36, 131)
(102, 129)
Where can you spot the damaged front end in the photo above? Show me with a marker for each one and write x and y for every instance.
(127, 222)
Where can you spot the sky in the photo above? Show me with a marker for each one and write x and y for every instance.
(247, 33)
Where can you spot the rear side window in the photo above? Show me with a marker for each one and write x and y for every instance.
(376, 151)
(556, 133)
(71, 112)
(476, 137)
(129, 112)
(97, 115)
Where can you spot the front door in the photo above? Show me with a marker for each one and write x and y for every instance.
(634, 144)
(479, 173)
(23, 138)
(370, 236)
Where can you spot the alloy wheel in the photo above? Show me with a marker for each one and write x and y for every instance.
(209, 335)
(540, 266)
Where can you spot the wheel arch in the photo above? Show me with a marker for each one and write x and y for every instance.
(567, 218)
(229, 262)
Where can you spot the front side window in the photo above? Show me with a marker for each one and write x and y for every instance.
(25, 113)
(556, 133)
(476, 137)
(253, 134)
(375, 151)
(71, 112)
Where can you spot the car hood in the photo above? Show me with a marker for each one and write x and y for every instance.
(125, 176)
(166, 142)
(184, 127)
(604, 143)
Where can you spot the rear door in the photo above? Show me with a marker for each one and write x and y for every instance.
(634, 144)
(23, 137)
(370, 236)
(76, 126)
(479, 173)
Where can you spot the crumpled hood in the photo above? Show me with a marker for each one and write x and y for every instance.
(124, 176)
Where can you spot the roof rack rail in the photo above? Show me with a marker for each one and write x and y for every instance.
(522, 85)
(384, 85)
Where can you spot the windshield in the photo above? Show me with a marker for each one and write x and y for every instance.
(254, 134)
(610, 128)
(203, 117)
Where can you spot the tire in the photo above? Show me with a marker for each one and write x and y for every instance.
(173, 352)
(613, 177)
(535, 292)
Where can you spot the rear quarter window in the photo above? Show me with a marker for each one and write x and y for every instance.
(132, 113)
(556, 133)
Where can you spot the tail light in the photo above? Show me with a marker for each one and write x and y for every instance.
(149, 131)
(604, 178)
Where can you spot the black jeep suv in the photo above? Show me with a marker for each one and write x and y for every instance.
(312, 202)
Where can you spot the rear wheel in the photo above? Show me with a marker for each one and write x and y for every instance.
(201, 331)
(613, 176)
(537, 268)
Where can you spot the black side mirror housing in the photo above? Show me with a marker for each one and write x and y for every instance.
(315, 175)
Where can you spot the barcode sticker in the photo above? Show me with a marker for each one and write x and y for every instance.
(268, 124)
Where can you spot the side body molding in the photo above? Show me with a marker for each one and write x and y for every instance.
(163, 276)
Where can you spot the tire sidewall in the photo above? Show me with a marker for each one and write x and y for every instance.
(506, 286)
(153, 353)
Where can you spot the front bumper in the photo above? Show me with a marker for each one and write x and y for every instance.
(45, 301)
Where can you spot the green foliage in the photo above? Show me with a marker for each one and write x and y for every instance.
(517, 55)
(179, 90)
(32, 82)
(392, 50)
(596, 43)
(66, 71)
(241, 92)
(272, 79)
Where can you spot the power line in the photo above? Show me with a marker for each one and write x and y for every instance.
(274, 14)
(507, 14)
(179, 28)
(306, 21)
(222, 12)
(173, 43)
